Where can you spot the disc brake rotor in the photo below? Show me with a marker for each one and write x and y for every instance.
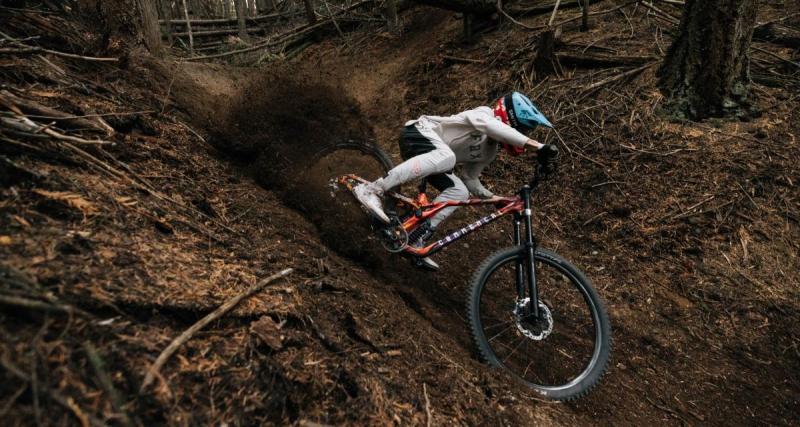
(394, 238)
(535, 329)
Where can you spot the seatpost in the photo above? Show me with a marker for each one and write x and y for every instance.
(423, 185)
(530, 268)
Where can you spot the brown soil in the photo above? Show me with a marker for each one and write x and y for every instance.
(689, 232)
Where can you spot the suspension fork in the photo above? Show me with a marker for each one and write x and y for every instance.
(519, 268)
(530, 247)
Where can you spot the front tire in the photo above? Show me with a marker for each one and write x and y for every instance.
(562, 363)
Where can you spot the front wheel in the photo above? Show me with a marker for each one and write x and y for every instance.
(562, 354)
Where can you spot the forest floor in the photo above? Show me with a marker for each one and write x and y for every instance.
(689, 231)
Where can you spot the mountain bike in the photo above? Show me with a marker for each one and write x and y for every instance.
(530, 312)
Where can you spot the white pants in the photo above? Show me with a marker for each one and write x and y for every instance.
(427, 156)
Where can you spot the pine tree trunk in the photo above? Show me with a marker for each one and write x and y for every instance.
(166, 15)
(584, 15)
(480, 7)
(150, 27)
(124, 24)
(188, 27)
(707, 69)
(241, 18)
(390, 13)
(226, 9)
(312, 16)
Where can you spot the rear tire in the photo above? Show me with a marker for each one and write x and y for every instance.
(364, 148)
(571, 358)
(340, 220)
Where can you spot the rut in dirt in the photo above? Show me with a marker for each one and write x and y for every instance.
(294, 135)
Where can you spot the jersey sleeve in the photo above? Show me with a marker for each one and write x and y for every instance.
(471, 173)
(483, 120)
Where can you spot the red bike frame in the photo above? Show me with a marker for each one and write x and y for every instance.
(423, 210)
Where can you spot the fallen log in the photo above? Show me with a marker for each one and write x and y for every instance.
(227, 31)
(251, 19)
(778, 34)
(32, 107)
(283, 37)
(547, 8)
(593, 61)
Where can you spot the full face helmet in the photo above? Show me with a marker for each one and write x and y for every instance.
(519, 112)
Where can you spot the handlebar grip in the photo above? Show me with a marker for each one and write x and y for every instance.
(547, 159)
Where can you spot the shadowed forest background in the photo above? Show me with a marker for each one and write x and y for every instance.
(160, 158)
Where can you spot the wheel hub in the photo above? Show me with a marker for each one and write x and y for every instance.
(536, 329)
(394, 237)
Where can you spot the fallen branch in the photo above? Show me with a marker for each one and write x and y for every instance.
(587, 60)
(230, 20)
(660, 12)
(30, 106)
(23, 48)
(66, 402)
(464, 60)
(508, 15)
(621, 76)
(105, 382)
(23, 124)
(283, 37)
(774, 55)
(33, 304)
(187, 334)
(429, 419)
(553, 16)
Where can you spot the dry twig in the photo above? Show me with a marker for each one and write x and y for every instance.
(187, 334)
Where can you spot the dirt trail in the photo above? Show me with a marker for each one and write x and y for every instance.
(658, 351)
(703, 302)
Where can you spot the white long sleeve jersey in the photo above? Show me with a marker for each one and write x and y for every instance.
(473, 136)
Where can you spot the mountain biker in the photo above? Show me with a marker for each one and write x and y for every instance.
(433, 145)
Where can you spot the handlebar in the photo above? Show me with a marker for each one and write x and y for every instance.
(546, 166)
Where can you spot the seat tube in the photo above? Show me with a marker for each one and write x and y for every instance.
(529, 253)
(520, 273)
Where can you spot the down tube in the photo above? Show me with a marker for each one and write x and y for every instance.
(457, 235)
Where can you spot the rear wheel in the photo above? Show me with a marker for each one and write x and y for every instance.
(563, 353)
(371, 159)
(338, 216)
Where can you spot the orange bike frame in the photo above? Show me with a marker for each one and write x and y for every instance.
(423, 210)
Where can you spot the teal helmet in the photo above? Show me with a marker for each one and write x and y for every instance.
(519, 112)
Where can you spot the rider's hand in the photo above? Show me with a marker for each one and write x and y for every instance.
(546, 153)
(547, 156)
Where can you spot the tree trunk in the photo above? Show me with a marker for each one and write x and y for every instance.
(226, 9)
(312, 16)
(150, 29)
(123, 24)
(166, 16)
(241, 18)
(480, 7)
(546, 62)
(390, 13)
(584, 15)
(707, 69)
(188, 28)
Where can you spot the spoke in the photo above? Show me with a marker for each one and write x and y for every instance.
(524, 339)
(498, 324)
(500, 333)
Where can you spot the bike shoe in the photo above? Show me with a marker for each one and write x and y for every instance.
(369, 196)
(427, 264)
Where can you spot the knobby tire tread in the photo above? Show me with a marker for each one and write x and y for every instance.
(472, 300)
